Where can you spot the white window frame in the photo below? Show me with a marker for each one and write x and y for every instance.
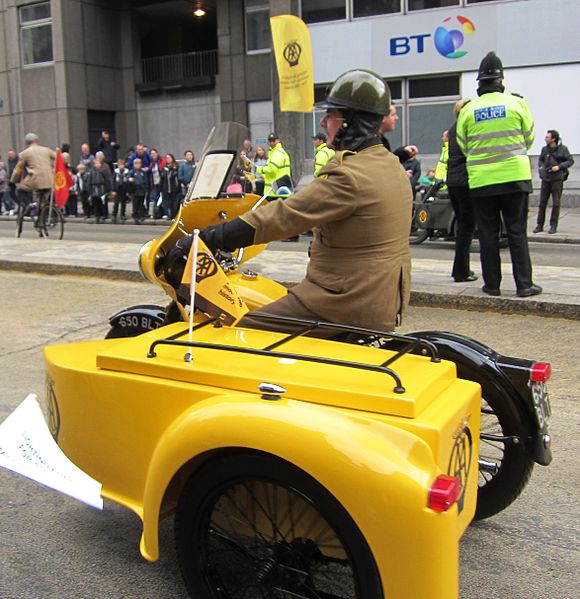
(265, 7)
(35, 24)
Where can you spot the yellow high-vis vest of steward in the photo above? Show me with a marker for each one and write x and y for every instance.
(495, 132)
(441, 168)
(277, 166)
(322, 154)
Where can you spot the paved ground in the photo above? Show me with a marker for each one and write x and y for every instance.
(431, 283)
(52, 547)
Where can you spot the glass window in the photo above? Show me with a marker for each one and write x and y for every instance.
(320, 92)
(395, 85)
(316, 11)
(426, 4)
(432, 87)
(426, 125)
(257, 25)
(36, 33)
(366, 8)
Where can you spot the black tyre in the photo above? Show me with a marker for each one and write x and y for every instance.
(51, 222)
(500, 488)
(252, 526)
(417, 234)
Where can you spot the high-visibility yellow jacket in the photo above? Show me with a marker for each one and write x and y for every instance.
(322, 154)
(277, 166)
(441, 168)
(495, 132)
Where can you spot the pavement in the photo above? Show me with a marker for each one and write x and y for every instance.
(431, 286)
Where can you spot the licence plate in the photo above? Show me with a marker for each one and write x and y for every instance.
(541, 405)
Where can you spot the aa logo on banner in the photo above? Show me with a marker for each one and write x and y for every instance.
(291, 41)
(214, 294)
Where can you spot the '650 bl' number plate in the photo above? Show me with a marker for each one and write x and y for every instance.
(541, 405)
(134, 321)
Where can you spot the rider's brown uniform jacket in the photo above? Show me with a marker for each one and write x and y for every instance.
(39, 164)
(360, 265)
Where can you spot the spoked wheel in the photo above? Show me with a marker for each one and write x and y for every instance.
(51, 222)
(255, 526)
(504, 464)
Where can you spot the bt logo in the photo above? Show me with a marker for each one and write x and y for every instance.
(447, 41)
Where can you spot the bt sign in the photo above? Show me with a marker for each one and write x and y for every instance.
(447, 41)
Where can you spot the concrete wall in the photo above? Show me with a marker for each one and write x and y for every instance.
(175, 122)
(92, 70)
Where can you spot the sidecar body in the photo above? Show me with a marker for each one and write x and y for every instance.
(367, 457)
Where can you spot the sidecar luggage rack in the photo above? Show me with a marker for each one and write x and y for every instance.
(410, 344)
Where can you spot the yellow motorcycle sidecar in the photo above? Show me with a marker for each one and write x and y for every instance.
(294, 466)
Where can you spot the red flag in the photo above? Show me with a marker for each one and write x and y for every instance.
(62, 181)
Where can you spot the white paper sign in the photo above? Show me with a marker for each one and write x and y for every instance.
(27, 447)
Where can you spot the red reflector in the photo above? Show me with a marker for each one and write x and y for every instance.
(541, 372)
(444, 492)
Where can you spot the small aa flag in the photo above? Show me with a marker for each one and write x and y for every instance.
(62, 181)
(291, 40)
(214, 294)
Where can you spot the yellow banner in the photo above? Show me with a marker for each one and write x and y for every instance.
(214, 294)
(291, 40)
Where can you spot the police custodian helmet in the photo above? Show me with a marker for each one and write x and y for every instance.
(490, 68)
(359, 90)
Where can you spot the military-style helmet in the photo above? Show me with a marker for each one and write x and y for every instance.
(490, 68)
(360, 90)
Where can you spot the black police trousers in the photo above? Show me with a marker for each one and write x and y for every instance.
(514, 209)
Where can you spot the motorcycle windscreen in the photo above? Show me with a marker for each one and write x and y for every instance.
(218, 162)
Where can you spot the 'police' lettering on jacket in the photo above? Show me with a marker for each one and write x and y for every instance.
(489, 113)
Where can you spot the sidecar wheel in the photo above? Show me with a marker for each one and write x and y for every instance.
(498, 490)
(253, 525)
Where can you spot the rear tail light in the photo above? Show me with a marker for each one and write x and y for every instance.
(444, 492)
(540, 372)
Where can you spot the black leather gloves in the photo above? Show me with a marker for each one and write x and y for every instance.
(228, 236)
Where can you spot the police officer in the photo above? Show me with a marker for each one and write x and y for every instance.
(495, 132)
(360, 209)
(322, 153)
(277, 171)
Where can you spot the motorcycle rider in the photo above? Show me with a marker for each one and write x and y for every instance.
(359, 207)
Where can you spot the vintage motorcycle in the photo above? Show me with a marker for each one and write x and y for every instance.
(295, 466)
(515, 407)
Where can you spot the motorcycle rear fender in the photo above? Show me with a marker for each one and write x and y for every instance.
(393, 470)
(138, 319)
(508, 376)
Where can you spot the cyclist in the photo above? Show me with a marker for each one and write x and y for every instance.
(34, 171)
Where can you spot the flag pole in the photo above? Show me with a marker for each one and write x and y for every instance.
(188, 356)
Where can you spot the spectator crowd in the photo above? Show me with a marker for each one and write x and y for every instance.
(143, 184)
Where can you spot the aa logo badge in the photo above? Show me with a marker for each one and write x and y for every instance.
(292, 53)
(214, 294)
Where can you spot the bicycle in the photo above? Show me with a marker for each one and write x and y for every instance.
(43, 212)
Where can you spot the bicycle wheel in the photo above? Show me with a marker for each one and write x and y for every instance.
(51, 222)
